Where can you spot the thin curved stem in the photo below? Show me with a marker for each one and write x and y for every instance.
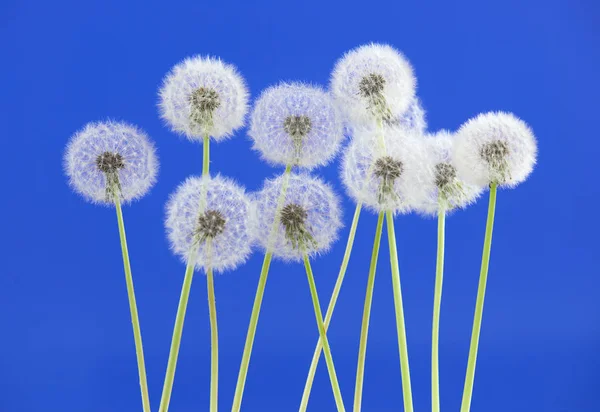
(323, 334)
(437, 303)
(183, 301)
(364, 331)
(214, 343)
(135, 322)
(260, 291)
(485, 261)
(334, 296)
(401, 328)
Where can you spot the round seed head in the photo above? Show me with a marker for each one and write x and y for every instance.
(211, 218)
(203, 95)
(308, 216)
(293, 123)
(441, 182)
(371, 83)
(108, 159)
(495, 148)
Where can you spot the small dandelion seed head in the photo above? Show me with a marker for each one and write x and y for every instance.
(203, 95)
(373, 82)
(308, 218)
(496, 148)
(441, 182)
(294, 123)
(211, 217)
(108, 159)
(381, 169)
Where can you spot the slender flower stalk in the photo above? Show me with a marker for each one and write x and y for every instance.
(182, 308)
(401, 328)
(137, 333)
(437, 303)
(334, 296)
(485, 260)
(362, 351)
(214, 341)
(260, 291)
(323, 335)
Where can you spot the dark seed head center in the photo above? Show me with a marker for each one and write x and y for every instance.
(371, 85)
(211, 224)
(388, 168)
(205, 100)
(494, 152)
(109, 162)
(444, 174)
(297, 126)
(293, 216)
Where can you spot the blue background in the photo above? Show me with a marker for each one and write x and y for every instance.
(66, 342)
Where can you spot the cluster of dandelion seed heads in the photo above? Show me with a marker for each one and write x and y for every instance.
(308, 221)
(381, 169)
(211, 217)
(204, 96)
(108, 159)
(495, 148)
(298, 124)
(442, 185)
(373, 82)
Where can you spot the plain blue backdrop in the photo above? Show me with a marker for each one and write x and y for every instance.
(66, 342)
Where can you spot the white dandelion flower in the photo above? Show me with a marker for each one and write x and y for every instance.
(204, 96)
(106, 159)
(309, 218)
(373, 82)
(443, 187)
(381, 168)
(293, 123)
(211, 214)
(495, 148)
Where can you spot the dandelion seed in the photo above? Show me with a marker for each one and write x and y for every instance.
(382, 169)
(495, 148)
(223, 218)
(109, 159)
(309, 219)
(443, 187)
(204, 96)
(293, 123)
(373, 82)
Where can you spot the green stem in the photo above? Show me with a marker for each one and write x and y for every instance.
(330, 308)
(206, 155)
(437, 303)
(323, 334)
(362, 351)
(137, 333)
(260, 291)
(401, 328)
(177, 332)
(485, 260)
(214, 344)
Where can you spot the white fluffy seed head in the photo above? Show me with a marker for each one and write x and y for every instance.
(203, 95)
(294, 123)
(496, 148)
(213, 216)
(443, 187)
(373, 82)
(308, 221)
(105, 159)
(381, 169)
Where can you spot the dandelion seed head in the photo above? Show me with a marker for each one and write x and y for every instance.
(373, 82)
(309, 218)
(203, 95)
(496, 148)
(294, 123)
(441, 182)
(106, 159)
(212, 215)
(381, 168)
